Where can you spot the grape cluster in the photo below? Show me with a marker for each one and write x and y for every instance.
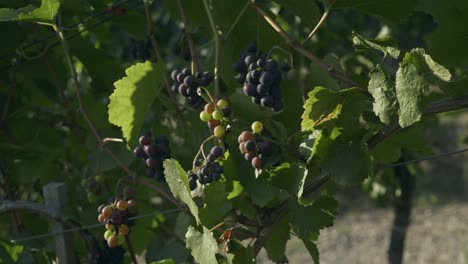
(93, 186)
(261, 78)
(208, 170)
(187, 84)
(141, 50)
(153, 154)
(115, 217)
(215, 115)
(254, 149)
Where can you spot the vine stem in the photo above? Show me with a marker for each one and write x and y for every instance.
(82, 110)
(320, 23)
(159, 57)
(302, 50)
(193, 51)
(200, 150)
(130, 249)
(217, 48)
(217, 226)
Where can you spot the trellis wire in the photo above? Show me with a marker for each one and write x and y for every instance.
(90, 226)
(398, 164)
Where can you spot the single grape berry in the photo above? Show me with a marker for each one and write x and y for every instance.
(122, 205)
(222, 103)
(257, 163)
(145, 140)
(210, 108)
(216, 151)
(217, 115)
(257, 127)
(205, 116)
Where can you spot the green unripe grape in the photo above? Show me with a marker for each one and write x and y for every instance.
(204, 116)
(257, 127)
(217, 115)
(222, 103)
(92, 198)
(292, 74)
(84, 183)
(108, 234)
(219, 131)
(99, 178)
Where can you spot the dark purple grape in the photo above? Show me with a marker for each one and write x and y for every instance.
(250, 145)
(267, 78)
(175, 88)
(210, 157)
(227, 111)
(271, 65)
(139, 152)
(186, 71)
(151, 163)
(180, 77)
(266, 101)
(144, 140)
(208, 76)
(101, 207)
(92, 184)
(151, 150)
(278, 105)
(252, 66)
(239, 66)
(262, 90)
(216, 176)
(266, 147)
(216, 151)
(189, 81)
(183, 89)
(174, 74)
(197, 163)
(252, 48)
(241, 77)
(192, 184)
(261, 63)
(204, 171)
(249, 60)
(250, 89)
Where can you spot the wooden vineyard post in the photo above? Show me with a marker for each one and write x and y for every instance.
(55, 195)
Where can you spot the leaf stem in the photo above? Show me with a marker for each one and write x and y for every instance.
(193, 51)
(217, 226)
(320, 23)
(217, 48)
(302, 50)
(233, 25)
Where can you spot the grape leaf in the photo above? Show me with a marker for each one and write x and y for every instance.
(426, 66)
(361, 43)
(326, 109)
(307, 221)
(313, 250)
(177, 180)
(215, 204)
(276, 239)
(382, 89)
(133, 96)
(390, 10)
(346, 160)
(447, 44)
(410, 87)
(240, 254)
(203, 246)
(44, 14)
(290, 177)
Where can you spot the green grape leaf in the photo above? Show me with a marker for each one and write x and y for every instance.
(313, 250)
(321, 106)
(326, 109)
(215, 205)
(382, 89)
(177, 180)
(346, 160)
(276, 239)
(432, 71)
(240, 254)
(44, 14)
(290, 177)
(203, 246)
(410, 87)
(390, 10)
(447, 44)
(133, 96)
(308, 221)
(361, 43)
